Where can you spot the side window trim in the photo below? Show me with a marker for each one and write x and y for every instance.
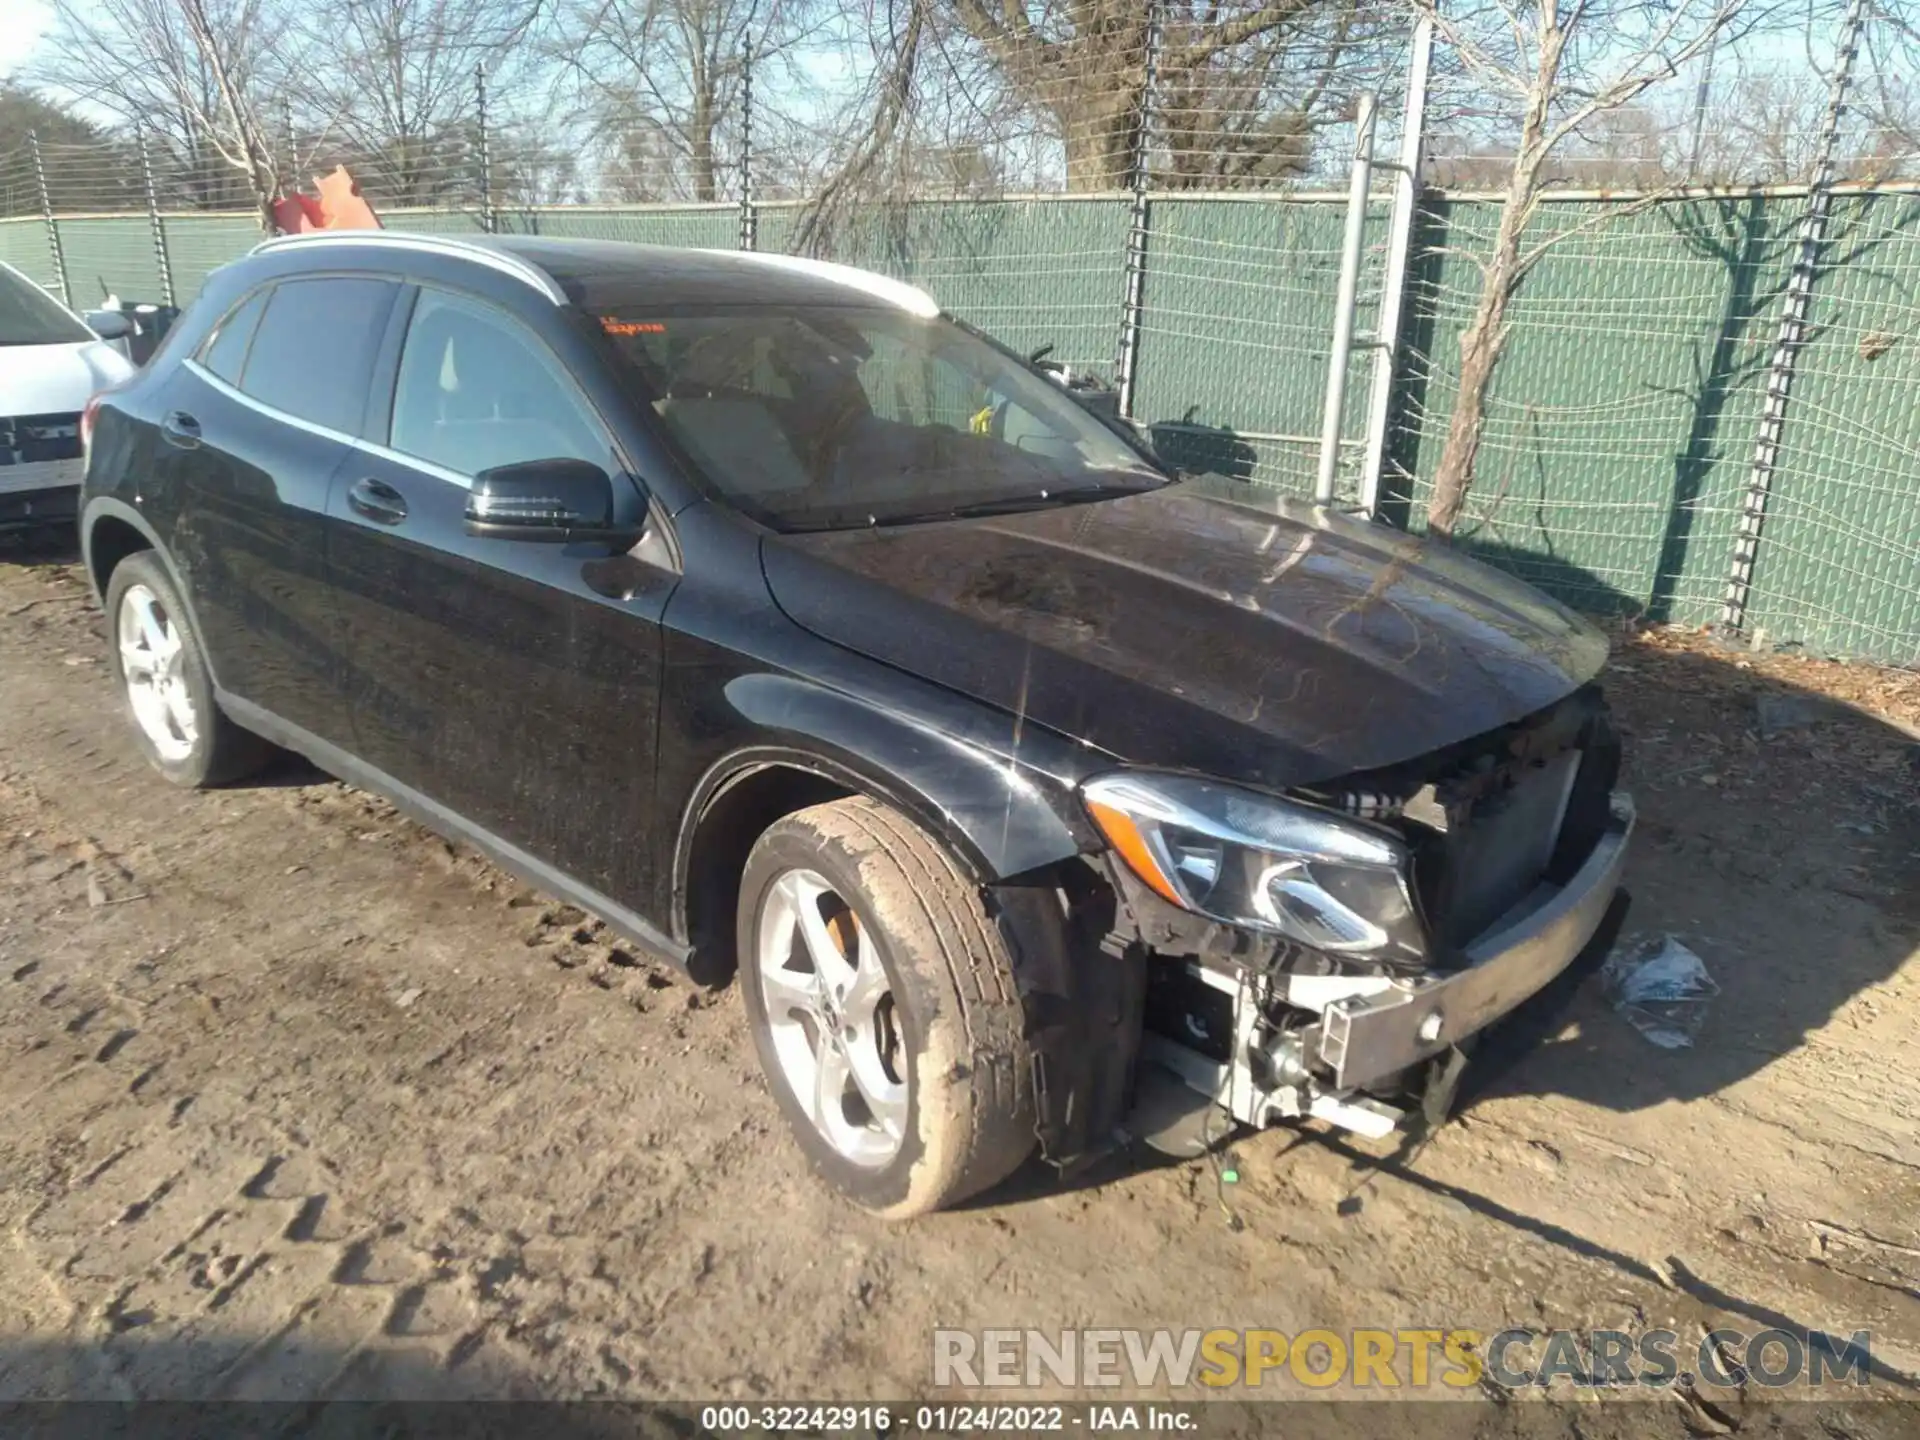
(357, 442)
(414, 462)
(376, 427)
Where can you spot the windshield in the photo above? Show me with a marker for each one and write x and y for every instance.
(823, 417)
(30, 316)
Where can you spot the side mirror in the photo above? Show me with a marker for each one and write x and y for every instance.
(552, 500)
(109, 324)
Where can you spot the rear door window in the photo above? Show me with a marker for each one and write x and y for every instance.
(313, 353)
(226, 349)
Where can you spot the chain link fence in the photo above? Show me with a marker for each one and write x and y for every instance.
(1177, 228)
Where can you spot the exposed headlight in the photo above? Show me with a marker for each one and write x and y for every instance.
(1250, 860)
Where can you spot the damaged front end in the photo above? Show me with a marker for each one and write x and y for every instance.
(1323, 954)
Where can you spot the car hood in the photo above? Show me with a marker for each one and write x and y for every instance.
(1270, 643)
(57, 379)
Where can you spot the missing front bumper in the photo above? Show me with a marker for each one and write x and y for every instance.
(1364, 1039)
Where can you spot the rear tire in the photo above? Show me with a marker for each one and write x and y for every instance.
(164, 678)
(926, 1096)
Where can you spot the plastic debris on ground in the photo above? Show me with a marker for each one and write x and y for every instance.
(1661, 987)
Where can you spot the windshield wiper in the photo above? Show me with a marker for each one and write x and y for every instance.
(1020, 504)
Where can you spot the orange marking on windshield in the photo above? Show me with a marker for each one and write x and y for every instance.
(614, 326)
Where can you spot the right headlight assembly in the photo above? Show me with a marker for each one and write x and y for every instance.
(1332, 884)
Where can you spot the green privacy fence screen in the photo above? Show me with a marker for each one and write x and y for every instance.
(1622, 419)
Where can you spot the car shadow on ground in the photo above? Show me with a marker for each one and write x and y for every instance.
(1779, 837)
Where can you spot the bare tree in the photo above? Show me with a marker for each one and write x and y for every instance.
(1058, 89)
(660, 81)
(396, 96)
(1239, 78)
(1893, 109)
(532, 167)
(197, 74)
(878, 146)
(1760, 128)
(1890, 101)
(1562, 65)
(87, 168)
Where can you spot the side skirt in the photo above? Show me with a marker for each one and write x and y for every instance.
(436, 817)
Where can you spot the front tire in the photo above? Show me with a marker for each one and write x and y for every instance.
(169, 692)
(883, 1005)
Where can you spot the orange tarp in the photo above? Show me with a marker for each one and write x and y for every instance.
(340, 206)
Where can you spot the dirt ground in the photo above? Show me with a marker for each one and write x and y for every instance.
(300, 1100)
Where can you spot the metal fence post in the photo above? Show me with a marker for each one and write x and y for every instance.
(1358, 188)
(489, 219)
(1407, 189)
(46, 214)
(154, 224)
(749, 216)
(1792, 333)
(290, 179)
(1126, 364)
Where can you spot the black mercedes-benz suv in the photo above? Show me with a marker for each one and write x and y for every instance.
(795, 628)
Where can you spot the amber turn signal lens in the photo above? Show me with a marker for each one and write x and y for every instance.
(1125, 836)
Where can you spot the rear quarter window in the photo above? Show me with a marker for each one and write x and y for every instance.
(313, 351)
(226, 349)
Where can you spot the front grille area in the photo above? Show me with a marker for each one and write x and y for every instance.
(1523, 808)
(1499, 850)
(1492, 819)
(31, 439)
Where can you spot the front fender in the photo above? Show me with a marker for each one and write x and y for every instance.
(1001, 816)
(1007, 819)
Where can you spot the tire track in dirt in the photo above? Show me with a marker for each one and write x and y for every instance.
(577, 947)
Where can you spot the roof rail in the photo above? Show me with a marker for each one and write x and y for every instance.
(910, 298)
(501, 260)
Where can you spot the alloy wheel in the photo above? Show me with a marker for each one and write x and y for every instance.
(834, 1022)
(152, 663)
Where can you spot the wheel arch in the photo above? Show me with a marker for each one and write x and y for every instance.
(110, 531)
(1084, 1001)
(113, 531)
(733, 806)
(992, 820)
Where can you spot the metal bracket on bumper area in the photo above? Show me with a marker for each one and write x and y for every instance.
(1366, 1038)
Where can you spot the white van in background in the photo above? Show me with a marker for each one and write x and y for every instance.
(51, 363)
